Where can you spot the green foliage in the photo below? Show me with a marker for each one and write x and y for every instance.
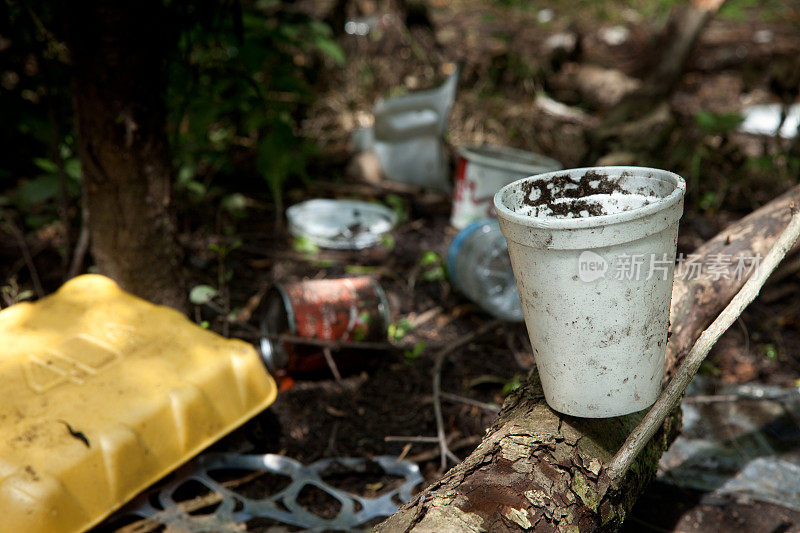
(708, 201)
(305, 246)
(223, 250)
(399, 206)
(768, 10)
(707, 368)
(433, 266)
(202, 294)
(513, 384)
(36, 111)
(770, 352)
(414, 353)
(239, 87)
(360, 270)
(388, 242)
(400, 329)
(716, 123)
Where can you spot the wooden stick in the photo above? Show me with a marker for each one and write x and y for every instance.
(332, 364)
(470, 401)
(444, 451)
(26, 255)
(672, 393)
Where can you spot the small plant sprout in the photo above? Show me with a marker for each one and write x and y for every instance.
(400, 329)
(399, 206)
(305, 246)
(432, 266)
(770, 352)
(513, 384)
(387, 241)
(414, 353)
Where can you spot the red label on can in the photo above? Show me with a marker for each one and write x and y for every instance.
(337, 310)
(461, 181)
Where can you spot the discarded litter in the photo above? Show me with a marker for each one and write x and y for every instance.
(479, 266)
(408, 135)
(764, 119)
(360, 26)
(595, 288)
(105, 393)
(340, 224)
(747, 444)
(482, 171)
(235, 508)
(335, 310)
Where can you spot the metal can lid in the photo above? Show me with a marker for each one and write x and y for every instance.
(340, 224)
(277, 318)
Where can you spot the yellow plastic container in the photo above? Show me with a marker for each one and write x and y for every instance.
(102, 394)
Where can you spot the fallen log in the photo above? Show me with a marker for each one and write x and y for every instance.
(536, 469)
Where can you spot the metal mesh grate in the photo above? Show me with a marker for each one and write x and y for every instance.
(223, 509)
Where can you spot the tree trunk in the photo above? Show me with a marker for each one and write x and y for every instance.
(538, 470)
(118, 57)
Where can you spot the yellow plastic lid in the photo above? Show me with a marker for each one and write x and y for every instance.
(103, 394)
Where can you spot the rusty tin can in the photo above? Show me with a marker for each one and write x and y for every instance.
(337, 310)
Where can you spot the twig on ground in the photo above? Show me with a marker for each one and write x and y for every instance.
(780, 396)
(672, 393)
(422, 318)
(432, 454)
(437, 387)
(469, 401)
(333, 345)
(746, 334)
(332, 364)
(26, 255)
(403, 438)
(146, 525)
(404, 452)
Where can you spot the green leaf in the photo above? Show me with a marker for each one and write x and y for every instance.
(512, 385)
(708, 201)
(415, 352)
(430, 258)
(39, 190)
(305, 245)
(235, 204)
(45, 164)
(388, 242)
(400, 329)
(202, 294)
(331, 49)
(717, 123)
(72, 167)
(770, 352)
(359, 270)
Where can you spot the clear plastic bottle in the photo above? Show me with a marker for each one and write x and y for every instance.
(479, 267)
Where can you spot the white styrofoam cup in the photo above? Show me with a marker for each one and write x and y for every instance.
(595, 288)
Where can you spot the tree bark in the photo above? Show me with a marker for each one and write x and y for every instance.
(118, 53)
(538, 470)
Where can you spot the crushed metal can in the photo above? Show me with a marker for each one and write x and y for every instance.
(342, 311)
